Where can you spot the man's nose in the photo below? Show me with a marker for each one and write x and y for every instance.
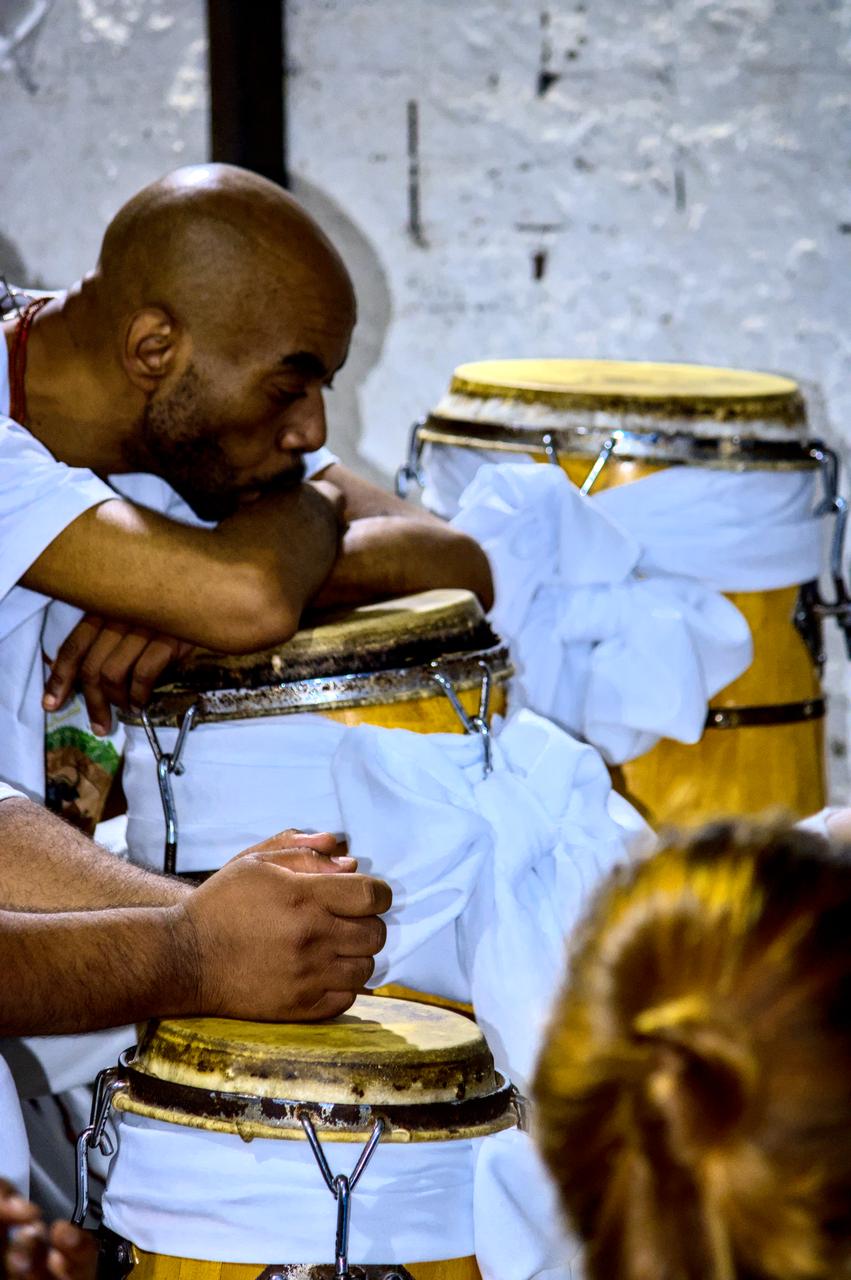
(304, 427)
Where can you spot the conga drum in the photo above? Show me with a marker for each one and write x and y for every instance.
(608, 423)
(429, 663)
(248, 1149)
(257, 760)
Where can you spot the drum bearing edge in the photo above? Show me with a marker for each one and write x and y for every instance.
(251, 1116)
(325, 693)
(727, 453)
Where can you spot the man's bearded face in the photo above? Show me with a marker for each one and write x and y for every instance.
(181, 438)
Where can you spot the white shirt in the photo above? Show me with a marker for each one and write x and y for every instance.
(14, 1150)
(39, 497)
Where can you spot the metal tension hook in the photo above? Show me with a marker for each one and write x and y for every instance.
(341, 1188)
(108, 1083)
(550, 449)
(169, 762)
(410, 471)
(472, 724)
(607, 449)
(833, 504)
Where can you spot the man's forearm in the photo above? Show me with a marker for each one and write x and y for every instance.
(46, 865)
(385, 556)
(82, 971)
(362, 498)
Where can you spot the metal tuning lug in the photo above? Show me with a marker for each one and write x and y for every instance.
(94, 1136)
(411, 471)
(169, 762)
(471, 724)
(607, 448)
(341, 1187)
(812, 606)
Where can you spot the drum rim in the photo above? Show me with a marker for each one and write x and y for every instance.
(256, 1116)
(325, 693)
(671, 448)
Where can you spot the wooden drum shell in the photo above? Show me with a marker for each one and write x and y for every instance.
(744, 769)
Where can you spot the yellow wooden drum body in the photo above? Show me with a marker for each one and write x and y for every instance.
(425, 1073)
(659, 416)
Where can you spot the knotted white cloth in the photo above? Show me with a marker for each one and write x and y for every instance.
(488, 875)
(612, 603)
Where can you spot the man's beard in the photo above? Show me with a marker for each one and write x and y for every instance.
(178, 447)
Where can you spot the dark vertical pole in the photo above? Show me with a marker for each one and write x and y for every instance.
(247, 70)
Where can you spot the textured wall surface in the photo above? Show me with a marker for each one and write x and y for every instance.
(623, 178)
(664, 179)
(651, 179)
(99, 98)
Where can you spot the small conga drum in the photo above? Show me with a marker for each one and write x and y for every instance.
(608, 423)
(429, 663)
(248, 1149)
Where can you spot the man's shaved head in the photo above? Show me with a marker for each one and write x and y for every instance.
(203, 238)
(231, 310)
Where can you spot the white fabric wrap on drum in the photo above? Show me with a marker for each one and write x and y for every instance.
(488, 876)
(612, 604)
(194, 1194)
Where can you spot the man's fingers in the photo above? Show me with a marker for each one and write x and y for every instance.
(26, 1253)
(14, 1209)
(355, 895)
(330, 1005)
(73, 1255)
(352, 973)
(283, 841)
(158, 654)
(117, 670)
(358, 937)
(63, 673)
(97, 702)
(307, 861)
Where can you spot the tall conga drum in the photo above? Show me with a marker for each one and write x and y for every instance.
(610, 423)
(303, 1150)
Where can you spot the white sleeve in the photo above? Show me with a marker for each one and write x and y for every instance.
(318, 461)
(8, 793)
(39, 497)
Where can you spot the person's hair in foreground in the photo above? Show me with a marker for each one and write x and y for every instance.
(694, 1092)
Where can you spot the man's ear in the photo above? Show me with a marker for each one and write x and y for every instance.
(152, 343)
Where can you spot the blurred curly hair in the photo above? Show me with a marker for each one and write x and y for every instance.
(694, 1092)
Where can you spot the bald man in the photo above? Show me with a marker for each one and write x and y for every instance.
(160, 418)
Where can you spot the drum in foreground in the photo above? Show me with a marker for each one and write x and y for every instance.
(404, 1090)
(427, 663)
(608, 423)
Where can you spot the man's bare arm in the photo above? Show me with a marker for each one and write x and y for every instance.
(236, 588)
(80, 971)
(47, 865)
(362, 498)
(284, 932)
(383, 556)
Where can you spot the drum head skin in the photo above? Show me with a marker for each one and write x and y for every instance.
(662, 413)
(426, 1071)
(373, 655)
(597, 384)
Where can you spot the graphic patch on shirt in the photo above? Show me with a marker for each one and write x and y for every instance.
(79, 768)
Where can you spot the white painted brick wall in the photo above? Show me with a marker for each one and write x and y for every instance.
(685, 172)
